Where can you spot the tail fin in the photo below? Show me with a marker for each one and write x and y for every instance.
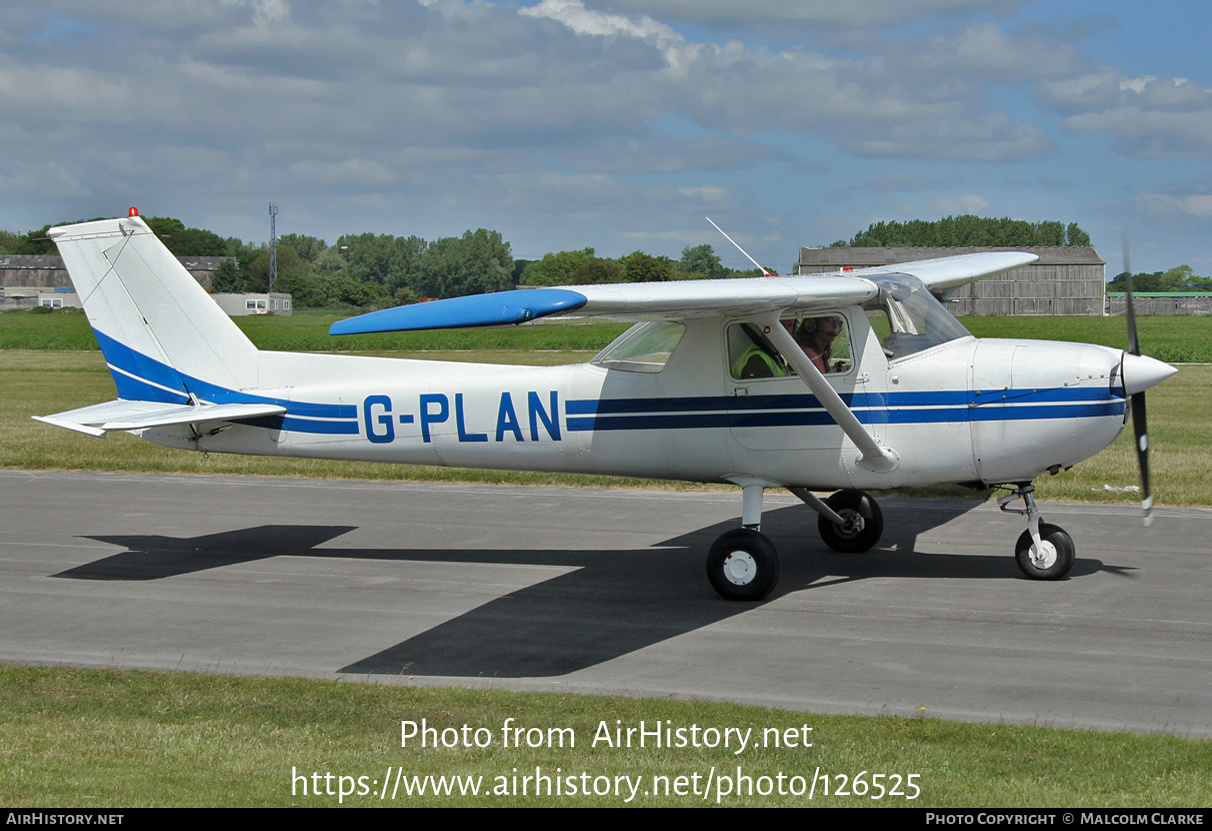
(163, 337)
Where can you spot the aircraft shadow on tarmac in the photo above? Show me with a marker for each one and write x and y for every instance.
(613, 603)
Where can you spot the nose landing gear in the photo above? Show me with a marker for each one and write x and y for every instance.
(1043, 551)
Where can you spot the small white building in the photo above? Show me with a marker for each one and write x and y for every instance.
(58, 298)
(28, 297)
(252, 303)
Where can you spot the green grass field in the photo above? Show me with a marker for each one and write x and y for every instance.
(108, 738)
(309, 333)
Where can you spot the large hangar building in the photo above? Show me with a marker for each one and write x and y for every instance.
(1066, 280)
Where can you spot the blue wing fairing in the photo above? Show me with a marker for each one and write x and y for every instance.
(500, 308)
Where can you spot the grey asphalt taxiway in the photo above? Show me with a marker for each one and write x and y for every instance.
(605, 591)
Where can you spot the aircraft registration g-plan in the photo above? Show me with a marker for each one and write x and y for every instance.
(842, 382)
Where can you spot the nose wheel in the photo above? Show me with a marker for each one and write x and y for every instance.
(1051, 559)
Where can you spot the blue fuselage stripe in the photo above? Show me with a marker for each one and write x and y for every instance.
(869, 408)
(941, 398)
(141, 378)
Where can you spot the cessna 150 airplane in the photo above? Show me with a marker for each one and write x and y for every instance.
(840, 382)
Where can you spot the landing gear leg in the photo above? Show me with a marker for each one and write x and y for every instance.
(743, 564)
(1043, 551)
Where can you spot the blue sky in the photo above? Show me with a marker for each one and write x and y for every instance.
(617, 124)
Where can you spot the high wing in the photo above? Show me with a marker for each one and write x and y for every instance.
(120, 415)
(738, 297)
(620, 301)
(948, 272)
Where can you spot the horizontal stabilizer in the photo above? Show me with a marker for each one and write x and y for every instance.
(100, 419)
(497, 309)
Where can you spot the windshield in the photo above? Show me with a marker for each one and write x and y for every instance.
(908, 319)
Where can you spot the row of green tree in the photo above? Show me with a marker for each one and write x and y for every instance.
(1179, 278)
(383, 270)
(182, 241)
(584, 267)
(968, 230)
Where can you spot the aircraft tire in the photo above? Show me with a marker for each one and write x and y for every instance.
(743, 565)
(852, 505)
(1059, 553)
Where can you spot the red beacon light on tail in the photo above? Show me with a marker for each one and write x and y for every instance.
(133, 212)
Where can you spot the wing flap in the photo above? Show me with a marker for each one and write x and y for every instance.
(100, 419)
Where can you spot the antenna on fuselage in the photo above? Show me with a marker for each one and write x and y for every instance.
(765, 271)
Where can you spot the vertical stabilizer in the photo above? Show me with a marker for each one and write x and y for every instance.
(162, 335)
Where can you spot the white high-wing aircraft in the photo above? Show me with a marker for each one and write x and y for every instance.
(841, 382)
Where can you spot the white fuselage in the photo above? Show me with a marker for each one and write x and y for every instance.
(968, 411)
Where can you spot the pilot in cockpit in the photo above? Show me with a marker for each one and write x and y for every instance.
(756, 356)
(816, 336)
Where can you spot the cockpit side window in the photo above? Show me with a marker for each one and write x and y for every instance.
(823, 337)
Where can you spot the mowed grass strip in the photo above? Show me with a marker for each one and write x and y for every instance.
(1179, 339)
(111, 738)
(309, 333)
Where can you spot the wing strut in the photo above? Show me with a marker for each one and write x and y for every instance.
(874, 458)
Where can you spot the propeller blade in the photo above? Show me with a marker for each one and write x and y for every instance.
(1140, 428)
(1139, 422)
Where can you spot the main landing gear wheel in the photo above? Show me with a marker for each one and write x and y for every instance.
(743, 565)
(1053, 559)
(863, 526)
